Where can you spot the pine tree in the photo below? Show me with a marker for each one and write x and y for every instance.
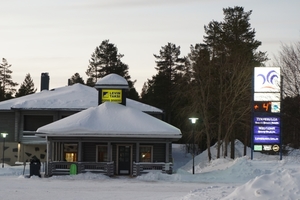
(27, 87)
(106, 60)
(2, 95)
(236, 58)
(161, 89)
(7, 85)
(220, 83)
(76, 78)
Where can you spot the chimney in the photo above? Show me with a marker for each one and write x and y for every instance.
(45, 81)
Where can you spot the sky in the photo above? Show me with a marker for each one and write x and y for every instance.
(264, 177)
(59, 37)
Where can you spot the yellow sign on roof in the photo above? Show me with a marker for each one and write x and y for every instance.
(112, 95)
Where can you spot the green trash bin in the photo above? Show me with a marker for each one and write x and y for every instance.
(73, 169)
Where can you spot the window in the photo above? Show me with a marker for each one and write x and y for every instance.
(102, 153)
(70, 152)
(146, 153)
(71, 157)
(33, 122)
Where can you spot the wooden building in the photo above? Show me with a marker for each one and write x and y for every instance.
(77, 126)
(21, 117)
(110, 138)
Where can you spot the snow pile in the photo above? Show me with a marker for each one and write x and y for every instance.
(277, 185)
(264, 177)
(85, 176)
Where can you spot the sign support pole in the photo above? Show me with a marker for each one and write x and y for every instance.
(252, 117)
(281, 85)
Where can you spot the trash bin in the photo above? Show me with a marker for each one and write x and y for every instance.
(73, 169)
(35, 166)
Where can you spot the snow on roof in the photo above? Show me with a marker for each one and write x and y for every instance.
(111, 120)
(112, 81)
(74, 97)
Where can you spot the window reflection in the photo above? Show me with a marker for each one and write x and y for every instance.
(145, 153)
(70, 152)
(102, 153)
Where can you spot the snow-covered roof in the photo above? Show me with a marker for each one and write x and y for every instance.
(111, 120)
(112, 81)
(74, 97)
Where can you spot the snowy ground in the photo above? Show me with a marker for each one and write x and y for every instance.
(264, 177)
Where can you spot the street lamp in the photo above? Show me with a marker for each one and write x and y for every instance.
(193, 120)
(4, 136)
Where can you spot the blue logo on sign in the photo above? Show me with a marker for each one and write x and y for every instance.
(269, 79)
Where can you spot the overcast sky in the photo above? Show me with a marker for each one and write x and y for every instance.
(59, 37)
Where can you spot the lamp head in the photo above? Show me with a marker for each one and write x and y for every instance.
(193, 119)
(4, 135)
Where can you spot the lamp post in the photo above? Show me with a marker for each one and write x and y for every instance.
(4, 136)
(193, 120)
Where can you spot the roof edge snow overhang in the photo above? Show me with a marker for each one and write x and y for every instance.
(66, 109)
(42, 142)
(52, 109)
(111, 86)
(6, 110)
(110, 136)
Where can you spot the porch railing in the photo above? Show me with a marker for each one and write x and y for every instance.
(63, 168)
(107, 168)
(96, 167)
(145, 167)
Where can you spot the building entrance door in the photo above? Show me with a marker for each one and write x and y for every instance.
(124, 160)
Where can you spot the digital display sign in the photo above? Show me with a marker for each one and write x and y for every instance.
(266, 130)
(266, 106)
(266, 139)
(267, 120)
(263, 106)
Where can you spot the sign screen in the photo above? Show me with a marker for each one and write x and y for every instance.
(266, 139)
(266, 106)
(262, 106)
(267, 120)
(266, 129)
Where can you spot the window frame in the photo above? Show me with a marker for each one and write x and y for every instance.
(97, 152)
(151, 152)
(29, 119)
(70, 151)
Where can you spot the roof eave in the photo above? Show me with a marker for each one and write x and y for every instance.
(175, 136)
(110, 86)
(60, 109)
